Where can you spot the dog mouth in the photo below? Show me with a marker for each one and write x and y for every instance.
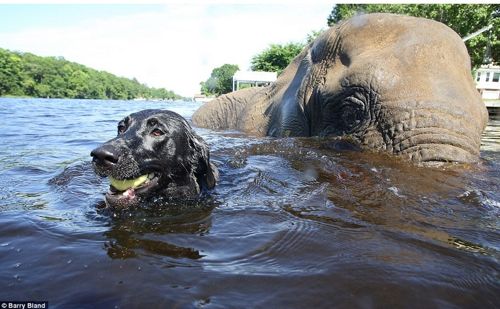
(126, 192)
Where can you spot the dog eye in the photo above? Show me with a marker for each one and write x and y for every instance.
(157, 132)
(152, 122)
(121, 129)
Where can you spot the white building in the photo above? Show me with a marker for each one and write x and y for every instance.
(253, 78)
(488, 82)
(201, 98)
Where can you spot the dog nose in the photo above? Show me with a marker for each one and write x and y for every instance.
(104, 156)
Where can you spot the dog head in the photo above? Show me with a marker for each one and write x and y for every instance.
(156, 153)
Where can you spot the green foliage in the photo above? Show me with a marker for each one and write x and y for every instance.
(220, 81)
(313, 35)
(273, 59)
(24, 74)
(463, 18)
(10, 74)
(276, 58)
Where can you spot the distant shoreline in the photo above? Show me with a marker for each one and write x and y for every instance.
(9, 96)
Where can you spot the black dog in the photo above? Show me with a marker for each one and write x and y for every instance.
(156, 153)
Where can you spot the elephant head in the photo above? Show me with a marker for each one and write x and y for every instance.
(391, 83)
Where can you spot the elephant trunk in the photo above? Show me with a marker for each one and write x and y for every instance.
(431, 131)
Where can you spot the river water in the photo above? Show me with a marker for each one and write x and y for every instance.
(293, 223)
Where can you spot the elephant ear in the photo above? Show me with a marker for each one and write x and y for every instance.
(206, 173)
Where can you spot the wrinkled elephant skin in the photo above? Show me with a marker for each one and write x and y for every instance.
(390, 83)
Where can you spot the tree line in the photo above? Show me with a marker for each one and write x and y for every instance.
(462, 18)
(25, 74)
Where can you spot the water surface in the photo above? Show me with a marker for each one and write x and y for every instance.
(292, 223)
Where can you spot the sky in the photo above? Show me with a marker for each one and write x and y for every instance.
(170, 45)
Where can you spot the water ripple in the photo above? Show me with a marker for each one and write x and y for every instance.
(292, 222)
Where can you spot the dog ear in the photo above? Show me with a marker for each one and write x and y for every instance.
(211, 176)
(207, 174)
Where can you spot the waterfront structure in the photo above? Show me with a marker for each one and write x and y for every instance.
(201, 98)
(252, 79)
(488, 81)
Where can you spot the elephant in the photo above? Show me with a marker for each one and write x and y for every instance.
(390, 83)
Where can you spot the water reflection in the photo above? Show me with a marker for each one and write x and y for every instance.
(490, 141)
(357, 189)
(148, 231)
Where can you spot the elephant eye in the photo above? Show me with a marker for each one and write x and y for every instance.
(345, 115)
(351, 111)
(352, 114)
